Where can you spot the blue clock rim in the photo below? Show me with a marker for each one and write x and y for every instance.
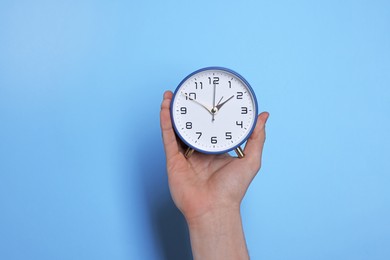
(238, 76)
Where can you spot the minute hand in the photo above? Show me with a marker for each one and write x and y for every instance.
(220, 105)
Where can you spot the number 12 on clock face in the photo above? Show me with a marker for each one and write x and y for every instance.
(214, 110)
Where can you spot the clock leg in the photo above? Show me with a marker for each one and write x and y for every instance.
(239, 152)
(188, 152)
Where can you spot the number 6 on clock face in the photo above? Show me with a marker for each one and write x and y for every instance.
(214, 110)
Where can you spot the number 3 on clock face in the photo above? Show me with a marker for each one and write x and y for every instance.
(214, 110)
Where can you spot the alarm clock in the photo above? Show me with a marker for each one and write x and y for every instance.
(214, 111)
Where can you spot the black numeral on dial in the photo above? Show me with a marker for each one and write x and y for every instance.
(240, 123)
(244, 110)
(228, 135)
(183, 110)
(215, 80)
(199, 133)
(239, 95)
(200, 85)
(189, 125)
(214, 140)
(190, 96)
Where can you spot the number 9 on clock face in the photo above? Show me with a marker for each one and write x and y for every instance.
(214, 110)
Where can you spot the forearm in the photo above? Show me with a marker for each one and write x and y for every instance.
(218, 235)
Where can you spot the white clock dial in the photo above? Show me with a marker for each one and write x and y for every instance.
(214, 110)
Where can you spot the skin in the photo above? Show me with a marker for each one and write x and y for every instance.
(208, 189)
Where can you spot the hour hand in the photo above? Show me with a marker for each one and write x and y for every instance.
(220, 105)
(196, 101)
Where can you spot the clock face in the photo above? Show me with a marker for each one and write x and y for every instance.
(214, 110)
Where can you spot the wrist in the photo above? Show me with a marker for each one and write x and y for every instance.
(214, 218)
(218, 234)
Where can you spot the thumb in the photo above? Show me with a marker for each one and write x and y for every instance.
(254, 146)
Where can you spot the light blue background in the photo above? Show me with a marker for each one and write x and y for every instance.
(82, 170)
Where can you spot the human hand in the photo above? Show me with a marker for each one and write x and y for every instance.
(204, 182)
(208, 189)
